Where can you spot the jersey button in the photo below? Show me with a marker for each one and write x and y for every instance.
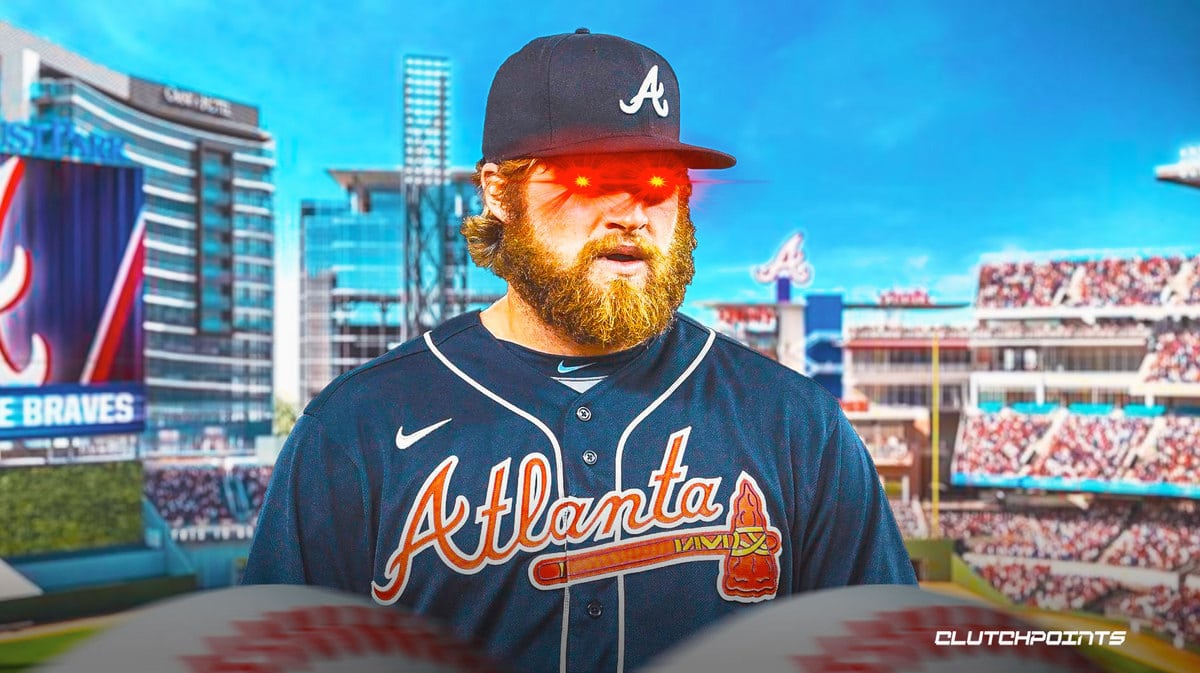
(590, 457)
(595, 609)
(584, 414)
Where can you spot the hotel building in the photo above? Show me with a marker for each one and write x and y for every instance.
(209, 271)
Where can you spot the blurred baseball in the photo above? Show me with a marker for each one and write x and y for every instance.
(874, 629)
(270, 629)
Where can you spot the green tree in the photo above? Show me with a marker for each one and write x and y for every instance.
(285, 416)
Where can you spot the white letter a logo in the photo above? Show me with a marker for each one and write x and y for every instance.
(652, 89)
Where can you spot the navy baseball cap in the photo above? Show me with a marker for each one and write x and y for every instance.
(585, 93)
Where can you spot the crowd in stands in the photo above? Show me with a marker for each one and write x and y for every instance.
(1106, 448)
(1194, 295)
(1137, 281)
(1022, 284)
(1037, 586)
(1164, 538)
(205, 495)
(1070, 592)
(1165, 609)
(994, 443)
(1160, 535)
(188, 496)
(1176, 458)
(1126, 282)
(256, 478)
(1017, 581)
(1175, 357)
(1060, 330)
(1008, 328)
(1148, 535)
(966, 524)
(1091, 447)
(909, 519)
(1061, 534)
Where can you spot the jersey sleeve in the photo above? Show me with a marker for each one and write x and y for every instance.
(313, 527)
(851, 536)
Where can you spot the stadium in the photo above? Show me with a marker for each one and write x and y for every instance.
(1083, 382)
(1069, 415)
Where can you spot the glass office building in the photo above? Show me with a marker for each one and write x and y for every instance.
(209, 270)
(352, 284)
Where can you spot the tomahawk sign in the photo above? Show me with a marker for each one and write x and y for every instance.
(789, 263)
(14, 287)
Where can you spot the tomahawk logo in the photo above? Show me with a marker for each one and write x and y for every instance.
(746, 547)
(14, 287)
(71, 266)
(651, 89)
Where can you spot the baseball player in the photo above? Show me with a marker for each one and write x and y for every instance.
(578, 476)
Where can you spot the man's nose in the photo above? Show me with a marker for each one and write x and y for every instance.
(629, 215)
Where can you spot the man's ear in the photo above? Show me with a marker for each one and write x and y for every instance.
(492, 186)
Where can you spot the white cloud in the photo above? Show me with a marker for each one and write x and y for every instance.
(917, 262)
(954, 287)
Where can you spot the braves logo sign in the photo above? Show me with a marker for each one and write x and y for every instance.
(651, 90)
(71, 270)
(15, 286)
(746, 546)
(790, 262)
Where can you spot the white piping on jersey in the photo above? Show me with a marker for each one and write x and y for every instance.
(620, 450)
(562, 656)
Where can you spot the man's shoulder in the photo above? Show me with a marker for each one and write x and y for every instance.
(402, 368)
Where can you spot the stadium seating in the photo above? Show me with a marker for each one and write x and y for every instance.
(1161, 535)
(1177, 454)
(1126, 282)
(188, 495)
(1022, 284)
(1164, 537)
(1137, 281)
(1017, 581)
(1070, 592)
(256, 480)
(909, 520)
(1091, 447)
(1165, 609)
(1061, 534)
(1194, 296)
(1175, 358)
(994, 443)
(204, 495)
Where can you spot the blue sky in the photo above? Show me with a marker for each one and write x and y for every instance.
(905, 139)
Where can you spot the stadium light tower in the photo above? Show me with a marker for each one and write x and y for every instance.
(1184, 172)
(435, 267)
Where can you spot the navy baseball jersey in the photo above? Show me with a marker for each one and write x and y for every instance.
(581, 525)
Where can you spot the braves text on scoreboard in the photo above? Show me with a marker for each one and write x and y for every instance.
(71, 260)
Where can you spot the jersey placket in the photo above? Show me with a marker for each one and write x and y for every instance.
(589, 431)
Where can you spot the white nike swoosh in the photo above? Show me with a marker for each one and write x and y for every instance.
(564, 369)
(404, 441)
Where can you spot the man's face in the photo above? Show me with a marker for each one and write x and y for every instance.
(602, 246)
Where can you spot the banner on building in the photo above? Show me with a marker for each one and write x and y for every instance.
(71, 260)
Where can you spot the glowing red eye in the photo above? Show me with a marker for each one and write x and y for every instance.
(659, 180)
(576, 177)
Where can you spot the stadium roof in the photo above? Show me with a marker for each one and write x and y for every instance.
(1184, 172)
